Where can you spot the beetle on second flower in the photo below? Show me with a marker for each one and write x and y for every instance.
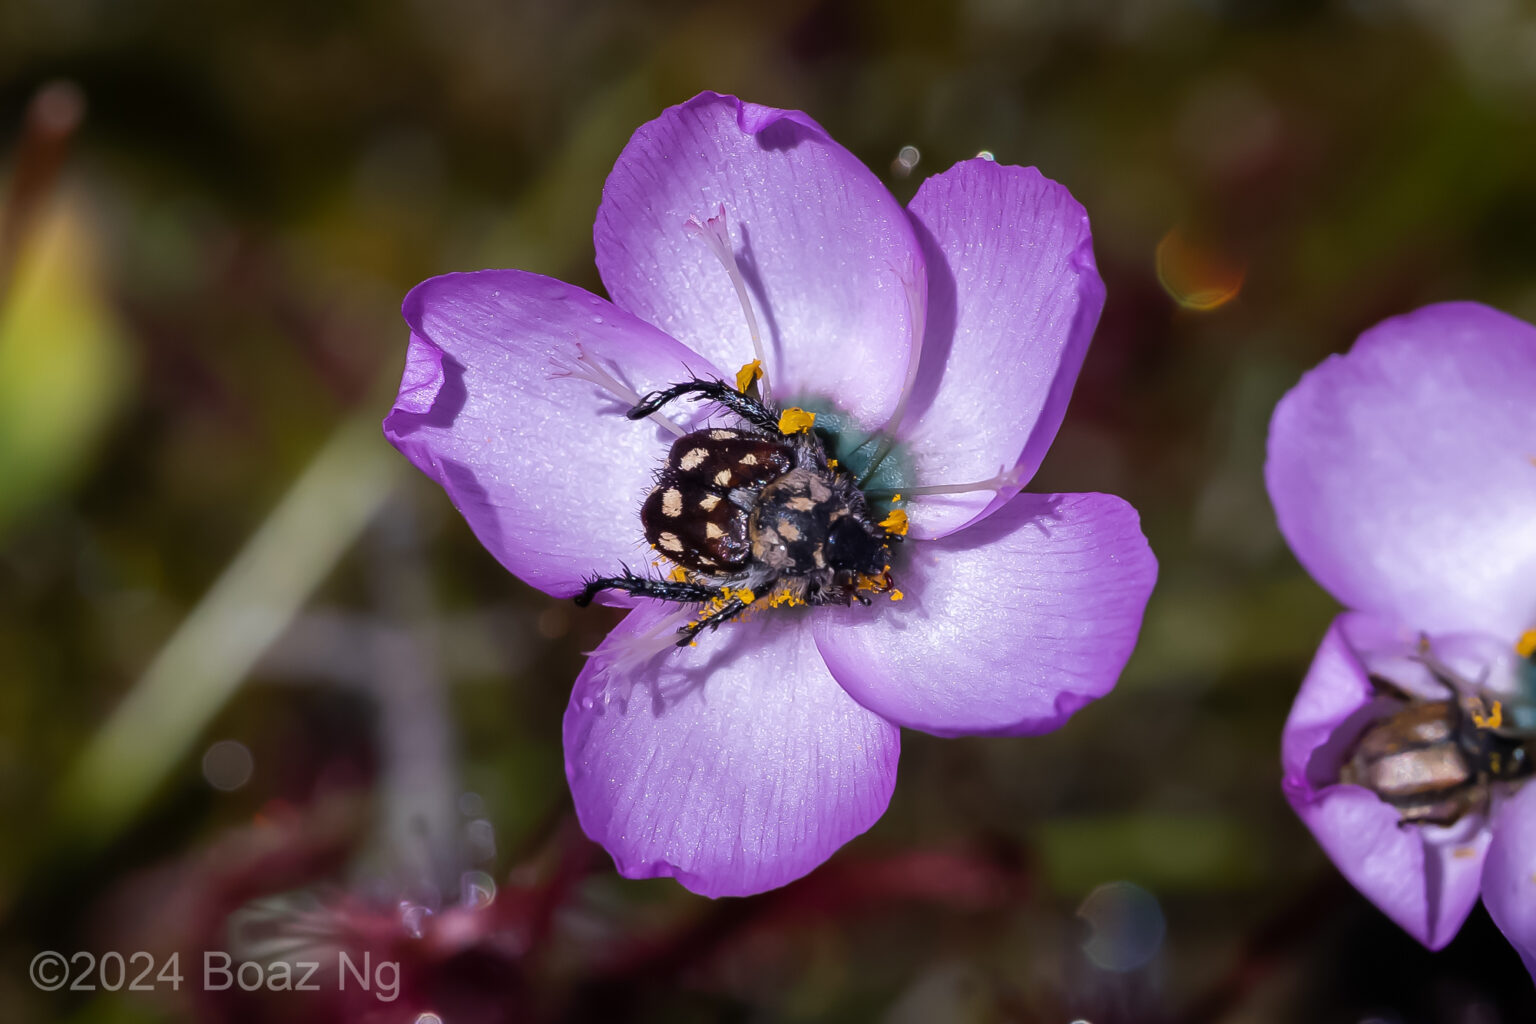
(1403, 475)
(913, 363)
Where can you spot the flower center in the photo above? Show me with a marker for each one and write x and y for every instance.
(753, 516)
(790, 508)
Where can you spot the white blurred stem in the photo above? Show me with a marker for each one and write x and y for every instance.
(418, 829)
(211, 652)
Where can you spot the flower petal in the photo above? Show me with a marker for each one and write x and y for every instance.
(826, 252)
(1007, 627)
(1423, 878)
(1402, 473)
(1013, 298)
(1509, 874)
(1338, 685)
(1428, 887)
(735, 766)
(546, 469)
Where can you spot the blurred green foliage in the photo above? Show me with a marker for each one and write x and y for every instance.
(63, 364)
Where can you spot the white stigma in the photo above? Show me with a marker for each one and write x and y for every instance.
(717, 236)
(584, 367)
(1004, 478)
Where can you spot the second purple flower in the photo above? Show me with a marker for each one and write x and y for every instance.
(1403, 475)
(913, 364)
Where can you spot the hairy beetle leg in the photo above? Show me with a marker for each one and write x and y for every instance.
(717, 391)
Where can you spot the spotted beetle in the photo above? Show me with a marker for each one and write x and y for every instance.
(749, 511)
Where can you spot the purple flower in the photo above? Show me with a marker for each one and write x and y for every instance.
(937, 345)
(1402, 476)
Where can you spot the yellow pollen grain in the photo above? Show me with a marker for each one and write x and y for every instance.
(1526, 645)
(1493, 719)
(745, 596)
(747, 374)
(795, 421)
(1464, 852)
(831, 463)
(781, 598)
(678, 574)
(895, 523)
(897, 595)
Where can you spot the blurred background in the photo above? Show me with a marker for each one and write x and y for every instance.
(257, 679)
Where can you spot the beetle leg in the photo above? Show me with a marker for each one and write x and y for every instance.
(1384, 687)
(717, 391)
(1443, 673)
(644, 586)
(725, 612)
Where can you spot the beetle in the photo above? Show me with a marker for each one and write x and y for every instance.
(750, 511)
(1437, 760)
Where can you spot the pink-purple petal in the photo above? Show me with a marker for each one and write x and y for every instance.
(1509, 874)
(826, 252)
(1402, 473)
(735, 766)
(1426, 884)
(1013, 299)
(1007, 627)
(545, 468)
(1424, 878)
(1337, 685)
